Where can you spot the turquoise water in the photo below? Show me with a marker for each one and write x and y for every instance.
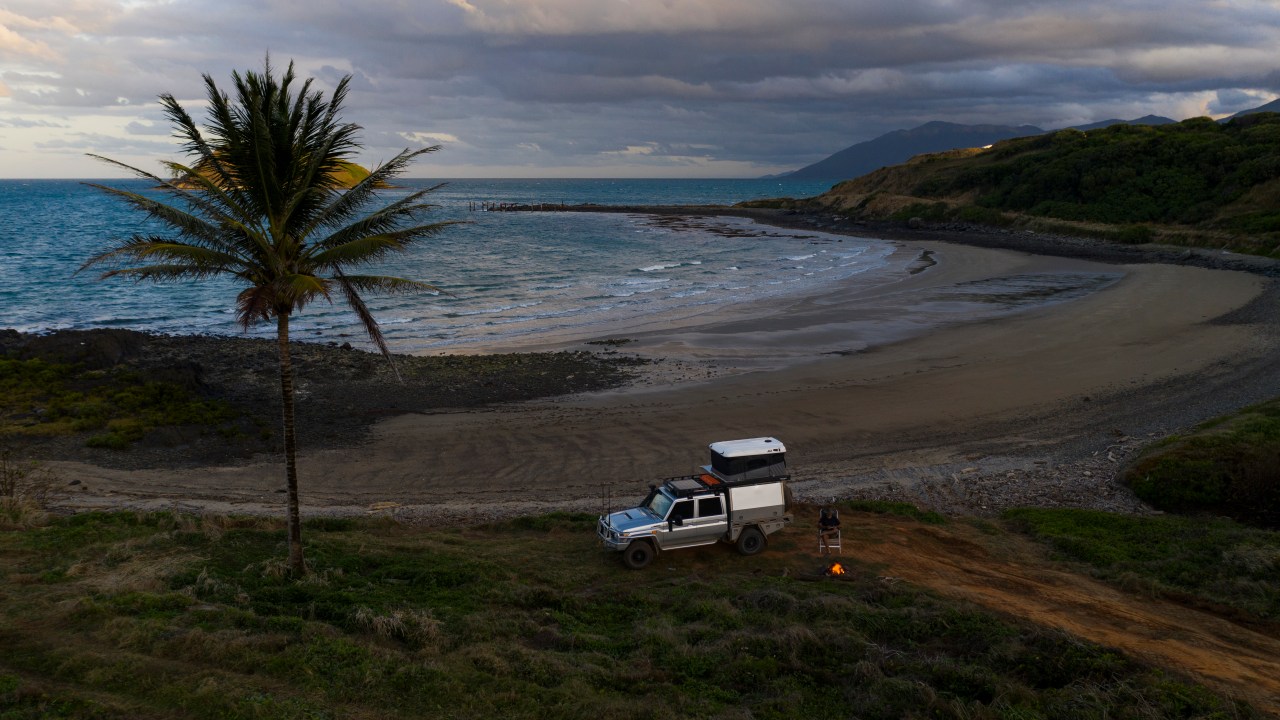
(508, 277)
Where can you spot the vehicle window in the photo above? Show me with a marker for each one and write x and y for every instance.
(682, 510)
(659, 504)
(710, 507)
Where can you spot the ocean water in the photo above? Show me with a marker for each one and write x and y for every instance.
(506, 278)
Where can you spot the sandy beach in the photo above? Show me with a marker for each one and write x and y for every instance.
(1036, 407)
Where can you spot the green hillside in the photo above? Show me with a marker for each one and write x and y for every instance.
(1197, 182)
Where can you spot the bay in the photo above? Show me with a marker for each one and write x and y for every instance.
(505, 277)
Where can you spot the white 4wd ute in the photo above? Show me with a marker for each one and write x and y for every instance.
(739, 498)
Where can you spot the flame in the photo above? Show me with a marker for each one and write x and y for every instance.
(836, 569)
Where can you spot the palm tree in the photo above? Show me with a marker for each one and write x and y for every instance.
(267, 207)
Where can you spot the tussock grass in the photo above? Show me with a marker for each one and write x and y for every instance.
(21, 513)
(26, 488)
(1217, 560)
(526, 618)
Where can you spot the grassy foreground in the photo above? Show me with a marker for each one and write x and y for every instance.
(156, 615)
(1215, 561)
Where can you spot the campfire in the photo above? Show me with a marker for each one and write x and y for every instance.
(835, 569)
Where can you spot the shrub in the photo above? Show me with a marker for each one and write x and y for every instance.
(983, 216)
(1229, 466)
(1135, 234)
(44, 398)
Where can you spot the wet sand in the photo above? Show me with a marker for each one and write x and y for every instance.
(1160, 348)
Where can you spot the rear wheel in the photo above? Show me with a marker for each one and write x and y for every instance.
(638, 554)
(751, 541)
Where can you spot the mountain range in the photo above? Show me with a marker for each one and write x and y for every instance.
(1195, 182)
(899, 146)
(1273, 106)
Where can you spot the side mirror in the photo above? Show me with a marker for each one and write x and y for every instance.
(675, 521)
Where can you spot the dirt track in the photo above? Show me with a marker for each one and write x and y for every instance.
(959, 561)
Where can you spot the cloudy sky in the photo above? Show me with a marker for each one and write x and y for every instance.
(622, 88)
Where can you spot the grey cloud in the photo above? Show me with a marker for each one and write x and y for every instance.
(17, 122)
(565, 82)
(1233, 101)
(101, 144)
(148, 128)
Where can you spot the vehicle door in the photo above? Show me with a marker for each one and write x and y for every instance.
(712, 522)
(694, 521)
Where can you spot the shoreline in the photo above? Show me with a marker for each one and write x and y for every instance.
(1038, 407)
(769, 332)
(971, 235)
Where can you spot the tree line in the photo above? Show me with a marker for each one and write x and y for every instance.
(1196, 172)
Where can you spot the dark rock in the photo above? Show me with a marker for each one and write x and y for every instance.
(95, 349)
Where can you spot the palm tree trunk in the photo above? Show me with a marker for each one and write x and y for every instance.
(296, 564)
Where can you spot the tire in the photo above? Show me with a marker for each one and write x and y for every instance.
(751, 541)
(638, 554)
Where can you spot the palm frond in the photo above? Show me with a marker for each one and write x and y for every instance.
(314, 188)
(253, 304)
(141, 248)
(369, 248)
(197, 229)
(162, 273)
(298, 289)
(222, 180)
(185, 223)
(351, 292)
(363, 249)
(387, 219)
(222, 126)
(220, 212)
(403, 238)
(348, 203)
(194, 200)
(209, 195)
(390, 285)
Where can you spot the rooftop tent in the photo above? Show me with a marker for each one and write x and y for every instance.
(750, 458)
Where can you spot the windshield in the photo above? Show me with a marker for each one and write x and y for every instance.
(659, 504)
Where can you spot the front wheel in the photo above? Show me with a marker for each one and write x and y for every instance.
(751, 541)
(638, 554)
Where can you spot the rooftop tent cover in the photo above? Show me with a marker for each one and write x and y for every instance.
(752, 457)
(750, 446)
